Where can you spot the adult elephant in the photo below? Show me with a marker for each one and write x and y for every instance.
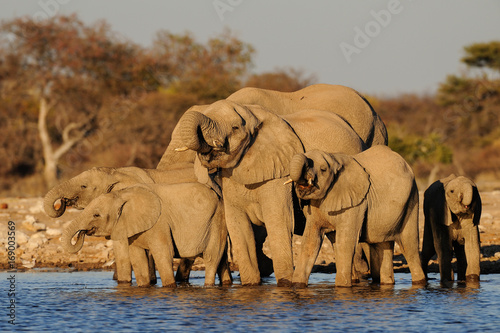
(452, 210)
(80, 190)
(337, 99)
(340, 100)
(250, 149)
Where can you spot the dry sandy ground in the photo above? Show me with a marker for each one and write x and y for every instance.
(38, 240)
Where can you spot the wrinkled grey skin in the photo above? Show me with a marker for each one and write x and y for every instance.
(369, 197)
(452, 209)
(339, 100)
(80, 190)
(250, 149)
(158, 218)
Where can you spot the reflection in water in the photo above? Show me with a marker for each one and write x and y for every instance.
(92, 301)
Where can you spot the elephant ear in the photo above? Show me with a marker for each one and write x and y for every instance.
(350, 186)
(206, 178)
(269, 156)
(138, 210)
(478, 206)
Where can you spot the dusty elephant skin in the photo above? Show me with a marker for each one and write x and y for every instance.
(452, 209)
(224, 145)
(252, 148)
(80, 190)
(155, 217)
(370, 197)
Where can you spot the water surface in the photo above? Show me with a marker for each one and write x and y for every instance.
(92, 301)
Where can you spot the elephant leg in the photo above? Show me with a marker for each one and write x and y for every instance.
(375, 262)
(444, 251)
(311, 241)
(223, 270)
(183, 270)
(243, 244)
(139, 261)
(459, 250)
(472, 254)
(360, 266)
(428, 250)
(265, 263)
(384, 253)
(122, 261)
(409, 240)
(152, 269)
(280, 243)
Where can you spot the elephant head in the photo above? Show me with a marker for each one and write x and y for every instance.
(119, 214)
(462, 198)
(80, 190)
(254, 143)
(336, 179)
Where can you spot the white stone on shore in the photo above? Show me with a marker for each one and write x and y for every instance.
(36, 241)
(21, 238)
(53, 232)
(31, 224)
(37, 208)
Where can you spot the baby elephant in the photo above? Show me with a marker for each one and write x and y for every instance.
(452, 209)
(369, 197)
(166, 219)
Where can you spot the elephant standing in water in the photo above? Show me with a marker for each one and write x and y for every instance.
(369, 197)
(452, 209)
(251, 149)
(80, 190)
(337, 100)
(159, 218)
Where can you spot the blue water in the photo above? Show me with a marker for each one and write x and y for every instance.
(92, 301)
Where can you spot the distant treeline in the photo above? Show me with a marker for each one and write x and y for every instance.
(74, 96)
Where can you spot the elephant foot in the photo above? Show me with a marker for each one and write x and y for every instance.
(169, 285)
(123, 282)
(390, 283)
(472, 278)
(299, 285)
(152, 282)
(227, 283)
(422, 282)
(284, 283)
(254, 284)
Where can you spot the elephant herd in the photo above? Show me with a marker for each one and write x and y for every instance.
(258, 166)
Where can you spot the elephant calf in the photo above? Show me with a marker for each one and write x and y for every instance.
(369, 197)
(185, 219)
(452, 210)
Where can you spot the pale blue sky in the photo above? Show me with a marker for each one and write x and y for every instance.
(410, 51)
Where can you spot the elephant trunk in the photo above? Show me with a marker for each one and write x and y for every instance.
(59, 192)
(67, 236)
(297, 166)
(467, 196)
(196, 129)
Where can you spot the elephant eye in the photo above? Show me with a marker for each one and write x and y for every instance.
(235, 128)
(84, 186)
(323, 169)
(452, 191)
(96, 215)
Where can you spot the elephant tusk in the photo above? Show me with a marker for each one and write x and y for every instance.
(181, 149)
(310, 181)
(288, 181)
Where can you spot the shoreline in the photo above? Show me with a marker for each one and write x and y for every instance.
(37, 241)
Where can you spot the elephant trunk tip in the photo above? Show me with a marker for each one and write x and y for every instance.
(55, 208)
